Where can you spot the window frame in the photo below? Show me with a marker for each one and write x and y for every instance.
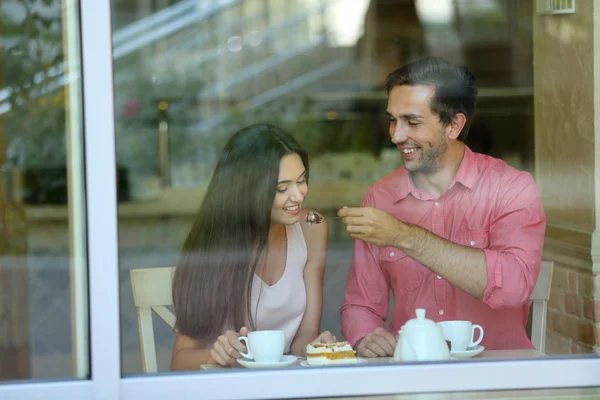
(103, 263)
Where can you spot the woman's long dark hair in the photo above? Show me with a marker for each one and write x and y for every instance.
(213, 278)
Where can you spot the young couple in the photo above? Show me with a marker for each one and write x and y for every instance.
(452, 231)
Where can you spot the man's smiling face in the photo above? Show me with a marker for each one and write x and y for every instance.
(415, 129)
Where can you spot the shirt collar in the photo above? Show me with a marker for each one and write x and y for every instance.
(404, 185)
(467, 172)
(466, 175)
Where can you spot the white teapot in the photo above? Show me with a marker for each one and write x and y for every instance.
(421, 339)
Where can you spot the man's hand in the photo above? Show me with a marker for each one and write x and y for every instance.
(373, 226)
(379, 343)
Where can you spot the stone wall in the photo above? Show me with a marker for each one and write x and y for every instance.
(565, 107)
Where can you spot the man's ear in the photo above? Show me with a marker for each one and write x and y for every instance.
(456, 125)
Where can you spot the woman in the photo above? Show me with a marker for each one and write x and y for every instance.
(250, 262)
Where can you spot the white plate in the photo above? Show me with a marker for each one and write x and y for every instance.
(468, 353)
(285, 361)
(359, 360)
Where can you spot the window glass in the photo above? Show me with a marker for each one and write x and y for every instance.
(317, 70)
(43, 272)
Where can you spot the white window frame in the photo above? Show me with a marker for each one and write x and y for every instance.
(106, 381)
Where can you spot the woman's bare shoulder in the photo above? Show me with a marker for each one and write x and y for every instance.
(315, 235)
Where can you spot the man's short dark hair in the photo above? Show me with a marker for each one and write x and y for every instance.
(455, 87)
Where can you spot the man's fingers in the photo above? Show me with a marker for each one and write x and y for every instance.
(362, 349)
(358, 221)
(391, 339)
(379, 343)
(357, 229)
(376, 348)
(384, 345)
(350, 212)
(358, 237)
(375, 343)
(388, 337)
(356, 233)
(386, 334)
(367, 353)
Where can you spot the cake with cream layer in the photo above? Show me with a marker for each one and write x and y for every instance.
(330, 354)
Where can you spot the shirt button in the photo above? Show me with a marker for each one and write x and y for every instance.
(441, 312)
(437, 204)
(472, 243)
(392, 254)
(439, 277)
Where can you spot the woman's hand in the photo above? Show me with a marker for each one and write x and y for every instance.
(226, 349)
(325, 337)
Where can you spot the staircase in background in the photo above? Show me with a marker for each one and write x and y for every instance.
(266, 73)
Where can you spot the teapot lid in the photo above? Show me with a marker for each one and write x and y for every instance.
(420, 321)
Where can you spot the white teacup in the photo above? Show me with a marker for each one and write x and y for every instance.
(461, 334)
(264, 346)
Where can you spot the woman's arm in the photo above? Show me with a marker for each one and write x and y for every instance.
(316, 244)
(190, 353)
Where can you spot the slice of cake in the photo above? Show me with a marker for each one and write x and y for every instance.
(330, 354)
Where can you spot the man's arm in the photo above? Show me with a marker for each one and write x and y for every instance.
(463, 267)
(502, 275)
(366, 296)
(514, 254)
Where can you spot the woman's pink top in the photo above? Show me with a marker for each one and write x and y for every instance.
(281, 306)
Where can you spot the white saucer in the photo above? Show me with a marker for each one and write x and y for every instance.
(400, 361)
(468, 353)
(285, 361)
(359, 360)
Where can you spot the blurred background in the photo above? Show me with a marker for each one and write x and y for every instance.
(188, 74)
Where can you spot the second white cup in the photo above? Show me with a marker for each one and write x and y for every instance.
(461, 334)
(264, 346)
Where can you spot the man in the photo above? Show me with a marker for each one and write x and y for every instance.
(452, 231)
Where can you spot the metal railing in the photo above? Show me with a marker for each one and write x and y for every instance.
(183, 14)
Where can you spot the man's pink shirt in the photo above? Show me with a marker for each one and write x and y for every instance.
(488, 205)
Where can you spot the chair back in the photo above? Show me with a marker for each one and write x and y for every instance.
(539, 299)
(151, 292)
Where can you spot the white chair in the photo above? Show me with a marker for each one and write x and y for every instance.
(539, 299)
(151, 292)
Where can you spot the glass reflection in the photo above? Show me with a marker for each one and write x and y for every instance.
(43, 272)
(315, 68)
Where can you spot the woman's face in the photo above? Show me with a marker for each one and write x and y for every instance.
(291, 190)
